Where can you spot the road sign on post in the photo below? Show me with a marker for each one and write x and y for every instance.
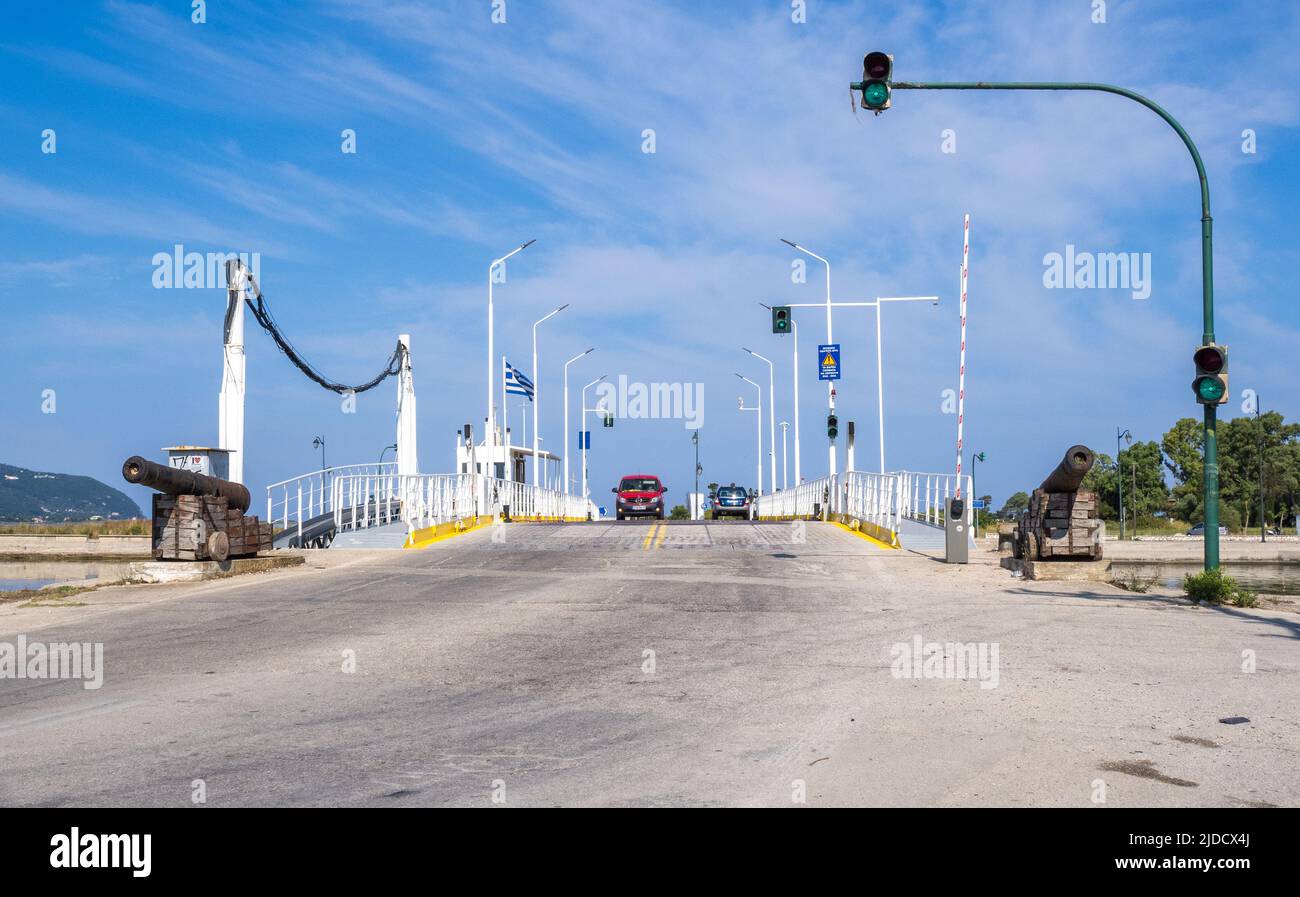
(828, 361)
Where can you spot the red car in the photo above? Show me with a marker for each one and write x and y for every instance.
(639, 495)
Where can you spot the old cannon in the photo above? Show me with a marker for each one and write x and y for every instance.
(174, 481)
(197, 517)
(1061, 522)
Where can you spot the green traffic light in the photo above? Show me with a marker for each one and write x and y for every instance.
(875, 95)
(1210, 389)
(780, 319)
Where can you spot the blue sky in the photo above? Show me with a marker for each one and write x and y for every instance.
(473, 137)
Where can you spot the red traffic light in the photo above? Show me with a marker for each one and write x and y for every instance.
(1209, 359)
(876, 65)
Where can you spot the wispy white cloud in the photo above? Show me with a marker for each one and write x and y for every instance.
(62, 272)
(103, 215)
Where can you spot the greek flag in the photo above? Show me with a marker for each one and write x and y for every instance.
(517, 384)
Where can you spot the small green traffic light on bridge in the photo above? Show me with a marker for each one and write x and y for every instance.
(1211, 383)
(780, 319)
(832, 425)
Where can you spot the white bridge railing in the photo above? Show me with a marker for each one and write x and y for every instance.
(361, 496)
(869, 497)
(291, 503)
(804, 500)
(882, 499)
(525, 501)
(364, 500)
(431, 499)
(923, 496)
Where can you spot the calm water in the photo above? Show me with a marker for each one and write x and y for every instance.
(1267, 579)
(15, 575)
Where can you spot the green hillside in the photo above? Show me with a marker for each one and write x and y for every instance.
(33, 496)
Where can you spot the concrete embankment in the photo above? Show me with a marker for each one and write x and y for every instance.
(18, 546)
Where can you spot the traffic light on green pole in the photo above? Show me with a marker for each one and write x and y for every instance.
(1211, 383)
(832, 425)
(780, 319)
(877, 78)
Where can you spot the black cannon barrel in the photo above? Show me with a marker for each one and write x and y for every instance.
(1069, 474)
(173, 481)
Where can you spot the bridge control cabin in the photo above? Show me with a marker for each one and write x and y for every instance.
(491, 461)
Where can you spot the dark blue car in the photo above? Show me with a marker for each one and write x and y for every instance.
(731, 501)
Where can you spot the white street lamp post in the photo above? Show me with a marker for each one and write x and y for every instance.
(491, 378)
(830, 384)
(537, 389)
(785, 468)
(567, 485)
(880, 387)
(759, 409)
(583, 424)
(771, 414)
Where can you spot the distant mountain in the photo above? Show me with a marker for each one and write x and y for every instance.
(28, 496)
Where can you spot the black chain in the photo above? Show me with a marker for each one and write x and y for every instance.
(263, 315)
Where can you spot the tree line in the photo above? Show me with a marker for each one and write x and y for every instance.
(1163, 480)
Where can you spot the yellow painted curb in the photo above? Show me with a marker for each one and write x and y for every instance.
(861, 532)
(422, 538)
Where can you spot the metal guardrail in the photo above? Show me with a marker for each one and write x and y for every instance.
(869, 497)
(430, 499)
(525, 502)
(362, 501)
(423, 500)
(922, 496)
(361, 496)
(804, 500)
(883, 499)
(295, 501)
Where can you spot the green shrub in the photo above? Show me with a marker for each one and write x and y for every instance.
(679, 512)
(1245, 598)
(1212, 587)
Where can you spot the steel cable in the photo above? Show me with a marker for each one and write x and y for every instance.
(262, 313)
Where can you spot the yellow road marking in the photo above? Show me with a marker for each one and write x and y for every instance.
(663, 531)
(649, 536)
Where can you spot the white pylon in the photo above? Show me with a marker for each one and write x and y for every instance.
(230, 432)
(408, 460)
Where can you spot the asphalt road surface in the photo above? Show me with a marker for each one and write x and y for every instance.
(653, 664)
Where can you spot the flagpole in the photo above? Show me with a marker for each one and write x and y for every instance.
(505, 423)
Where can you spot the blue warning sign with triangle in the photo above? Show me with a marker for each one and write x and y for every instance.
(828, 361)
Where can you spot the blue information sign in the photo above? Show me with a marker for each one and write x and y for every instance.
(828, 361)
